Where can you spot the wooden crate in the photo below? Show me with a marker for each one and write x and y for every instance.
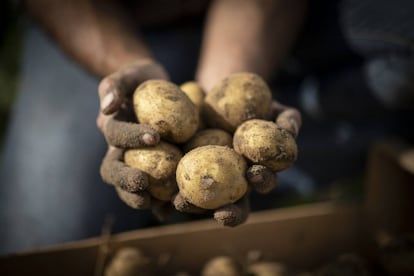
(301, 237)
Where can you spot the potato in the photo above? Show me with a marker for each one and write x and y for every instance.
(128, 261)
(267, 269)
(163, 106)
(221, 266)
(160, 163)
(264, 143)
(212, 176)
(237, 98)
(209, 137)
(194, 93)
(163, 190)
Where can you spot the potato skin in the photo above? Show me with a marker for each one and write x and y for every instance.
(160, 163)
(209, 137)
(221, 265)
(267, 269)
(235, 99)
(129, 261)
(212, 176)
(264, 143)
(163, 106)
(194, 93)
(163, 189)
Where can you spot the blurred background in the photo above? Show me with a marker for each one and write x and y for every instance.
(10, 50)
(352, 92)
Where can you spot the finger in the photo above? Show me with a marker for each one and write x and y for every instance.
(101, 121)
(113, 89)
(290, 120)
(233, 214)
(129, 135)
(184, 206)
(126, 113)
(262, 179)
(277, 108)
(116, 173)
(137, 200)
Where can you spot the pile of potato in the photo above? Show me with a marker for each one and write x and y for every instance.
(394, 255)
(131, 261)
(208, 142)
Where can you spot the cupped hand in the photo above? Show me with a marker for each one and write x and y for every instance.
(117, 122)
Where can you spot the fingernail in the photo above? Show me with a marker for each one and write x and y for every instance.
(149, 139)
(107, 101)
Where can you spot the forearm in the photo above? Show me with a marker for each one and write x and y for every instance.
(248, 35)
(96, 34)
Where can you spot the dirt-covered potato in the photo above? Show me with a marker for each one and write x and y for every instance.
(163, 106)
(129, 261)
(264, 143)
(209, 137)
(267, 269)
(160, 163)
(194, 92)
(164, 189)
(221, 266)
(235, 99)
(212, 176)
(196, 95)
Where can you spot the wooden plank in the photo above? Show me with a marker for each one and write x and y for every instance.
(299, 236)
(390, 189)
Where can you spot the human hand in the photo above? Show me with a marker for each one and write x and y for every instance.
(117, 122)
(260, 178)
(230, 215)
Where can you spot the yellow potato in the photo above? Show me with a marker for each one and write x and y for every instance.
(164, 189)
(264, 143)
(196, 95)
(221, 266)
(235, 99)
(209, 137)
(212, 176)
(267, 269)
(194, 92)
(129, 261)
(160, 163)
(163, 106)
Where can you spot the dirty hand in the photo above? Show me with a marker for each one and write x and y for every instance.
(117, 122)
(259, 177)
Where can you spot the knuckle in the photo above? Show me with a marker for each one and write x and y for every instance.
(100, 122)
(103, 171)
(106, 84)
